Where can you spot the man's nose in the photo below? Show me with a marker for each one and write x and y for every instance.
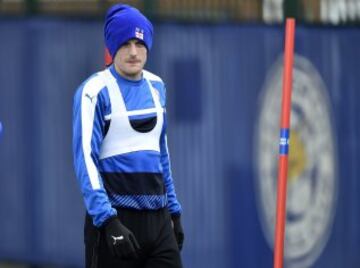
(133, 50)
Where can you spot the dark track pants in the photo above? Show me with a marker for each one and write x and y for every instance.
(152, 230)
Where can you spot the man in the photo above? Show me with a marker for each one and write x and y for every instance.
(121, 156)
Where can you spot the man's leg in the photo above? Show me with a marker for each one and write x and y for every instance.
(91, 240)
(166, 253)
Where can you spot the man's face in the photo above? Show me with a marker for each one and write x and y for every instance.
(130, 59)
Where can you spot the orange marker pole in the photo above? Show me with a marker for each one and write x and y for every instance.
(284, 144)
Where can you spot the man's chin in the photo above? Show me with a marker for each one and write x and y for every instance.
(134, 74)
(134, 70)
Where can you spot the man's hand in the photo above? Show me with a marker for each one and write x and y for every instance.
(178, 230)
(120, 240)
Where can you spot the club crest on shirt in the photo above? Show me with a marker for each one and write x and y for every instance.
(312, 169)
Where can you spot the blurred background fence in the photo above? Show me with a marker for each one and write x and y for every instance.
(269, 11)
(221, 61)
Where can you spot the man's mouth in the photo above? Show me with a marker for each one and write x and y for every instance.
(133, 61)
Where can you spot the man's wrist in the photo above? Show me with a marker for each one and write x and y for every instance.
(175, 215)
(109, 221)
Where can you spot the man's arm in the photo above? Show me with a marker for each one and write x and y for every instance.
(173, 204)
(88, 123)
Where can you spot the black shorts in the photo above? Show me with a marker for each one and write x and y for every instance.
(153, 231)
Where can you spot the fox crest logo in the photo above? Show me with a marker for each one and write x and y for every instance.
(312, 180)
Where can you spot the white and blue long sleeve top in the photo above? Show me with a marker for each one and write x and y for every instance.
(120, 147)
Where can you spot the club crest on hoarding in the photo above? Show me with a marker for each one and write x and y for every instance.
(312, 180)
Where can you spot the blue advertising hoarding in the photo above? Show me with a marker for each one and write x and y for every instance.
(223, 90)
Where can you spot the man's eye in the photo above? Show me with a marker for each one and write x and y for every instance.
(139, 44)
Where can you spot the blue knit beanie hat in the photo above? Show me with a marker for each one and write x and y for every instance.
(122, 23)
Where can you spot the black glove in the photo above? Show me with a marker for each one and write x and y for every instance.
(178, 230)
(120, 240)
